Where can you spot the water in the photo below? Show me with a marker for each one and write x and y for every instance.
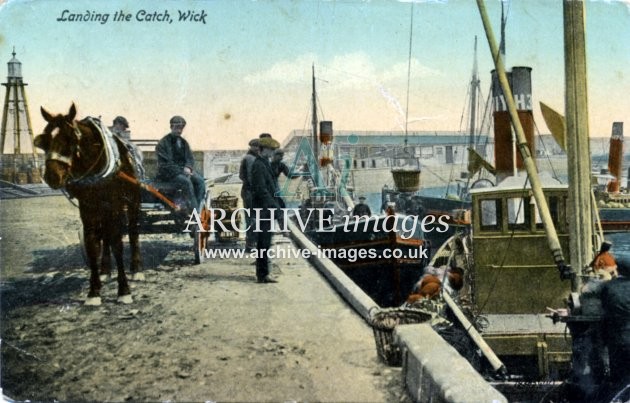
(621, 243)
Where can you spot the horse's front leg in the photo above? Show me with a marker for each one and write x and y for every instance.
(115, 234)
(106, 260)
(93, 250)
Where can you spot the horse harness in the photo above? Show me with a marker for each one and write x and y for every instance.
(109, 150)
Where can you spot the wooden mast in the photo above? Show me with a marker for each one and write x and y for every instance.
(314, 122)
(528, 161)
(578, 149)
(474, 86)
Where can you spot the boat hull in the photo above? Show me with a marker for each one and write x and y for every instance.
(384, 264)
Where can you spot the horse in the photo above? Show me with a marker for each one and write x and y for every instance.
(83, 158)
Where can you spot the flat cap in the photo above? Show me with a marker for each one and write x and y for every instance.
(121, 120)
(177, 120)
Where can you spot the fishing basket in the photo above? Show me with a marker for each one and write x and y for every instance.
(383, 323)
(225, 201)
(406, 180)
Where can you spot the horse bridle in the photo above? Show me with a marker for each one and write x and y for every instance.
(76, 151)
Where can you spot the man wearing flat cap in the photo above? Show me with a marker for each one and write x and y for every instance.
(176, 163)
(264, 197)
(245, 174)
(361, 209)
(120, 128)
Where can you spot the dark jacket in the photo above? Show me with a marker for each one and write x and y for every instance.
(279, 167)
(245, 174)
(361, 209)
(263, 185)
(615, 297)
(172, 159)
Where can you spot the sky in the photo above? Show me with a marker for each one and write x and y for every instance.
(245, 67)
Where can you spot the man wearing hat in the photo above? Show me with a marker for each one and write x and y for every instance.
(176, 163)
(277, 165)
(615, 297)
(120, 128)
(361, 209)
(245, 174)
(264, 197)
(604, 263)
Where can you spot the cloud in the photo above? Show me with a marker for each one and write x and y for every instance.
(285, 71)
(351, 70)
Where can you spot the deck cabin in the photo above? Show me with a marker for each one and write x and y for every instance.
(515, 278)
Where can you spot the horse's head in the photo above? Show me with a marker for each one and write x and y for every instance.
(60, 141)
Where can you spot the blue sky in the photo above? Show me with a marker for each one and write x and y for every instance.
(247, 70)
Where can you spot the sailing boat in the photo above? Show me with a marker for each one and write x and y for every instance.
(454, 208)
(358, 245)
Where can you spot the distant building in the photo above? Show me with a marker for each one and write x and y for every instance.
(380, 149)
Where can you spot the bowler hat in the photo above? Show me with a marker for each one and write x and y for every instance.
(264, 135)
(254, 143)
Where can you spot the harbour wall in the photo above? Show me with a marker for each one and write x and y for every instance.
(430, 365)
(429, 362)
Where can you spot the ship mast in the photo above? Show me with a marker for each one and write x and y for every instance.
(578, 148)
(528, 161)
(474, 86)
(314, 121)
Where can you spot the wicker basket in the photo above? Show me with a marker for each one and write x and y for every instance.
(225, 201)
(406, 180)
(383, 323)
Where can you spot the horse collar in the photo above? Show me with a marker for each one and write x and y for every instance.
(109, 150)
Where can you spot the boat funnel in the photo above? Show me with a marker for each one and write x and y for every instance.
(326, 137)
(326, 131)
(521, 86)
(615, 157)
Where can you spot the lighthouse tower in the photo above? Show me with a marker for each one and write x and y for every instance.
(16, 125)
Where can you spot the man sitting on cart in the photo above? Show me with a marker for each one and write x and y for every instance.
(176, 163)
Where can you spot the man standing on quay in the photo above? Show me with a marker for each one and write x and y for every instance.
(263, 196)
(245, 174)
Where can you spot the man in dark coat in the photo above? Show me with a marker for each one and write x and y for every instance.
(245, 174)
(278, 166)
(361, 208)
(615, 297)
(176, 163)
(264, 197)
